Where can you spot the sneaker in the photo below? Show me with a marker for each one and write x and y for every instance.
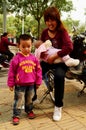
(15, 120)
(1, 66)
(57, 113)
(72, 62)
(31, 115)
(5, 64)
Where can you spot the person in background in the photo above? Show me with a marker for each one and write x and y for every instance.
(3, 62)
(4, 46)
(24, 73)
(58, 35)
(48, 50)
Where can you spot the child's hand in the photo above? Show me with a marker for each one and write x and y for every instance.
(11, 88)
(37, 86)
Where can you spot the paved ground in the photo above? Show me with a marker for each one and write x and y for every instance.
(74, 110)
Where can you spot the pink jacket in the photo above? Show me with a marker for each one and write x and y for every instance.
(24, 70)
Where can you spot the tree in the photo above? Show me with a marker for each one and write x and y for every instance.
(1, 22)
(4, 6)
(71, 24)
(3, 9)
(36, 8)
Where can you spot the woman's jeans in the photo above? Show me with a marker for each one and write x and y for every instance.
(23, 94)
(59, 80)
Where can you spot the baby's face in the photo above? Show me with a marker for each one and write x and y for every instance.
(38, 43)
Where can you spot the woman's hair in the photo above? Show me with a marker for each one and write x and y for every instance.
(53, 14)
(24, 37)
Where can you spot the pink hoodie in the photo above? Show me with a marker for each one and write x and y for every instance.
(24, 70)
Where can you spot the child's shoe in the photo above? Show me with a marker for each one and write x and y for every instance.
(31, 115)
(72, 62)
(15, 120)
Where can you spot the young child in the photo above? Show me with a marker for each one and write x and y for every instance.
(45, 50)
(24, 73)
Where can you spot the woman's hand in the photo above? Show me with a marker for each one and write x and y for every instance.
(37, 86)
(51, 59)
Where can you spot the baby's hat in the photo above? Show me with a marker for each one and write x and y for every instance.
(48, 43)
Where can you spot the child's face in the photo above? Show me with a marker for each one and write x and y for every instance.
(25, 46)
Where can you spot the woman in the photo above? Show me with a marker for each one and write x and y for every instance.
(58, 35)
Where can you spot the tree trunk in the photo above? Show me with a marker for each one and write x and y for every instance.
(38, 29)
(4, 17)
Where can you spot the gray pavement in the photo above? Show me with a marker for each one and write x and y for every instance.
(73, 115)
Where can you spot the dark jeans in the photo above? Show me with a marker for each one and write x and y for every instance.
(9, 54)
(23, 94)
(59, 80)
(2, 58)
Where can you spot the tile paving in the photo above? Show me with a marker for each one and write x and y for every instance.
(73, 114)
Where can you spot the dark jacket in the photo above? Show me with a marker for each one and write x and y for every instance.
(4, 44)
(61, 41)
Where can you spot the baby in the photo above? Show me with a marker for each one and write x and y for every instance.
(44, 50)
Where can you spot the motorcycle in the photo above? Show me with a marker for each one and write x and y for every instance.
(79, 44)
(79, 52)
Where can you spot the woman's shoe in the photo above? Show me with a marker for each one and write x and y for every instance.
(57, 113)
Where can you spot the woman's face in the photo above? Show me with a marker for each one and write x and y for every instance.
(51, 24)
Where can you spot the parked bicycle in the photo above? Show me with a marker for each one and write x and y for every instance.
(49, 82)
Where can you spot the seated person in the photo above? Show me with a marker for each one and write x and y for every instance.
(4, 46)
(3, 62)
(44, 50)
